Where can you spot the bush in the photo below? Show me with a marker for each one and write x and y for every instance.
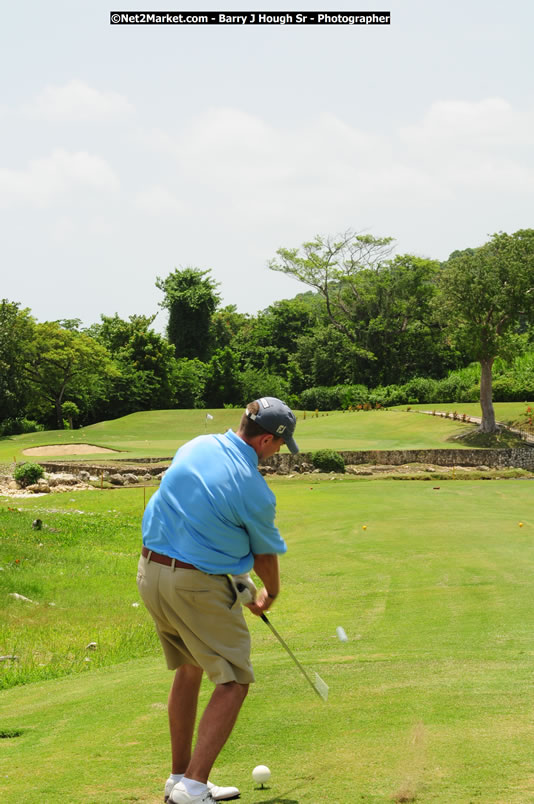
(336, 397)
(460, 386)
(386, 396)
(19, 426)
(328, 460)
(352, 395)
(421, 390)
(27, 473)
(320, 398)
(511, 389)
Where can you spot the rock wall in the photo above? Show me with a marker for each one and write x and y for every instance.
(519, 458)
(140, 468)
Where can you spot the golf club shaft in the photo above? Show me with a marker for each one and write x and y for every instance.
(284, 645)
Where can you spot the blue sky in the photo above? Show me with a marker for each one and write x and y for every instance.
(126, 152)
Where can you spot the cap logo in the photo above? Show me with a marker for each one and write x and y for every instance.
(281, 429)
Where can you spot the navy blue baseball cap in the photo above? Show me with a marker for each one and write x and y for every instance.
(275, 417)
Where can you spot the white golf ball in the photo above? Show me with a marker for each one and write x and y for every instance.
(261, 774)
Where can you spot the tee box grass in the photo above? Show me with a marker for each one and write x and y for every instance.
(430, 698)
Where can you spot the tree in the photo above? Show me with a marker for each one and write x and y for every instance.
(330, 266)
(16, 333)
(188, 383)
(226, 324)
(381, 307)
(223, 379)
(58, 361)
(191, 299)
(487, 295)
(324, 357)
(71, 411)
(144, 361)
(395, 318)
(114, 332)
(268, 340)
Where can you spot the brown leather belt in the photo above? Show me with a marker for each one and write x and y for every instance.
(167, 560)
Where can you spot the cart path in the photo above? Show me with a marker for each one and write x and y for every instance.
(527, 437)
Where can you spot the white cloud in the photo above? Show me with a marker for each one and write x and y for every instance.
(478, 145)
(485, 123)
(76, 102)
(243, 165)
(158, 201)
(43, 180)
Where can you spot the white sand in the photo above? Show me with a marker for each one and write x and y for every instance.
(66, 449)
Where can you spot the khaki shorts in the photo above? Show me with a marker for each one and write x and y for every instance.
(198, 619)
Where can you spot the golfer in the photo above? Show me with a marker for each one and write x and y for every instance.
(212, 518)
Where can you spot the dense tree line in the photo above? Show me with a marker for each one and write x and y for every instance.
(366, 322)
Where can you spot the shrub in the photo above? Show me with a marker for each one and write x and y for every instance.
(351, 395)
(336, 397)
(19, 426)
(319, 398)
(385, 396)
(27, 473)
(511, 388)
(420, 390)
(328, 460)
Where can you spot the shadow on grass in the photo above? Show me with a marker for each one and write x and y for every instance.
(277, 800)
(502, 439)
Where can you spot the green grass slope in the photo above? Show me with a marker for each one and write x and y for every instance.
(514, 414)
(160, 433)
(430, 698)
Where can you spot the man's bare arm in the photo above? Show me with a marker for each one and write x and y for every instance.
(267, 569)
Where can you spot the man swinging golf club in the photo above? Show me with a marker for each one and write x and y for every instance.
(212, 517)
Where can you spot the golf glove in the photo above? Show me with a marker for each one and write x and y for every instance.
(245, 587)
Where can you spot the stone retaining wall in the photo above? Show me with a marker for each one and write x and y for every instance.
(519, 458)
(106, 468)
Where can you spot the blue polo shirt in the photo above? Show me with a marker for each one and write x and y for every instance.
(213, 508)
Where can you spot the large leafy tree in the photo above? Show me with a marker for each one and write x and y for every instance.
(191, 299)
(226, 324)
(330, 265)
(61, 363)
(382, 307)
(324, 357)
(487, 298)
(396, 320)
(266, 341)
(144, 361)
(272, 337)
(16, 333)
(223, 379)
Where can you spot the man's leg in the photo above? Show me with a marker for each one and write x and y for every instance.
(182, 714)
(215, 727)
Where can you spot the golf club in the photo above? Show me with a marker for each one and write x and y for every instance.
(246, 590)
(320, 687)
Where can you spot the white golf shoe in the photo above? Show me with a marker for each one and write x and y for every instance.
(217, 793)
(179, 795)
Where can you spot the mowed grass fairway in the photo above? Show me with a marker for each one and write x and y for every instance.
(159, 433)
(431, 699)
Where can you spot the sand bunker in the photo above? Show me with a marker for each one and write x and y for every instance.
(66, 449)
